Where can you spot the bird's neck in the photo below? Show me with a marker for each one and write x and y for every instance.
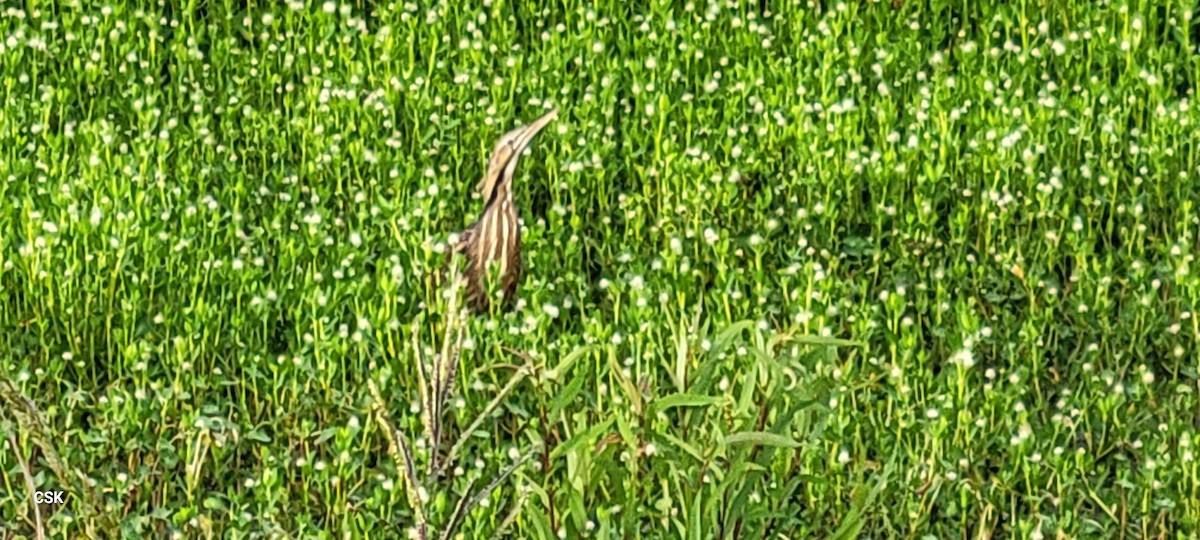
(500, 196)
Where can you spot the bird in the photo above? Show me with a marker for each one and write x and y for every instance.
(496, 236)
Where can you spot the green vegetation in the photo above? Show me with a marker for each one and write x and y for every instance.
(880, 268)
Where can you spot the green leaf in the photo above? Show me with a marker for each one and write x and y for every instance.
(567, 362)
(722, 340)
(761, 438)
(257, 435)
(579, 511)
(681, 357)
(580, 438)
(823, 341)
(694, 522)
(691, 450)
(325, 435)
(626, 431)
(628, 388)
(214, 503)
(853, 521)
(566, 396)
(683, 400)
(746, 403)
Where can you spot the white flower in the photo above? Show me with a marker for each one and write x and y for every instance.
(963, 357)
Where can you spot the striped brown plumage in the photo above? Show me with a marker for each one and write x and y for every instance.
(495, 238)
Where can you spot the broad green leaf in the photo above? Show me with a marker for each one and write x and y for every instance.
(683, 400)
(257, 435)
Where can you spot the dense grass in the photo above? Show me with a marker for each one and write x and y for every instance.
(218, 222)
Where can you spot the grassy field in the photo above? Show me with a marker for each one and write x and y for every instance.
(794, 270)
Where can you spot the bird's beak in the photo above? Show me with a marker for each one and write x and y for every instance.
(530, 131)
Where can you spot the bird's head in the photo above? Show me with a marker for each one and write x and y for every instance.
(507, 152)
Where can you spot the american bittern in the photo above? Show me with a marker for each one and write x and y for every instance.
(496, 236)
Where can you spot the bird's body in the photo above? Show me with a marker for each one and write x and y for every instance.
(495, 238)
